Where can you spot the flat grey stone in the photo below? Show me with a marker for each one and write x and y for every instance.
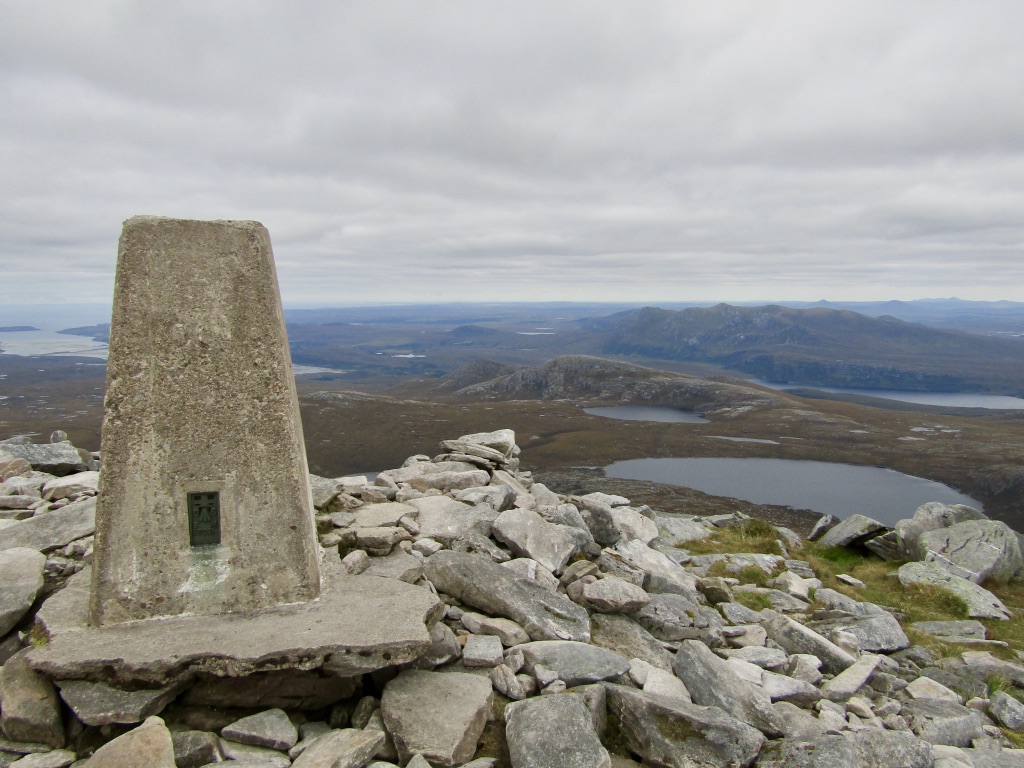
(56, 458)
(398, 565)
(784, 688)
(679, 530)
(796, 638)
(670, 732)
(574, 663)
(359, 624)
(528, 534)
(99, 704)
(18, 503)
(444, 519)
(444, 647)
(193, 749)
(58, 758)
(876, 629)
(483, 584)
(608, 595)
(943, 722)
(853, 531)
(21, 574)
(674, 617)
(506, 630)
(264, 757)
(661, 574)
(53, 529)
(981, 604)
(482, 651)
(553, 730)
(270, 728)
(852, 679)
(599, 519)
(977, 550)
(967, 629)
(147, 745)
(71, 485)
(437, 715)
(711, 682)
(870, 748)
(1006, 710)
(30, 709)
(383, 515)
(625, 637)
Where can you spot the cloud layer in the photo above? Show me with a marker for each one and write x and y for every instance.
(473, 150)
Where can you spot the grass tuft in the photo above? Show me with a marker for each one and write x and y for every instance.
(754, 536)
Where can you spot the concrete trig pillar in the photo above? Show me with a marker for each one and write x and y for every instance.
(205, 504)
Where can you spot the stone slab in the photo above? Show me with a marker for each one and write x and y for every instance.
(200, 398)
(51, 530)
(359, 624)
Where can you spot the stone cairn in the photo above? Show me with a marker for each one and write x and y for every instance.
(575, 631)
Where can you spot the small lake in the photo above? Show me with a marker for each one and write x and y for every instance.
(648, 413)
(946, 399)
(836, 489)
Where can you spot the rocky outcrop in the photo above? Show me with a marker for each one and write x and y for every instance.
(562, 631)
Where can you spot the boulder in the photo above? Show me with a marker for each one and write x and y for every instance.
(53, 529)
(853, 531)
(56, 458)
(29, 709)
(344, 748)
(444, 519)
(21, 574)
(672, 617)
(796, 638)
(661, 575)
(437, 715)
(669, 732)
(383, 515)
(875, 628)
(528, 534)
(943, 722)
(507, 631)
(628, 639)
(852, 679)
(977, 550)
(1006, 711)
(99, 704)
(711, 682)
(270, 728)
(930, 517)
(679, 530)
(483, 584)
(608, 595)
(870, 748)
(148, 745)
(71, 485)
(981, 604)
(574, 663)
(193, 749)
(57, 758)
(482, 651)
(553, 730)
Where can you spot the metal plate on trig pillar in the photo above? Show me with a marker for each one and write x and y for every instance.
(204, 518)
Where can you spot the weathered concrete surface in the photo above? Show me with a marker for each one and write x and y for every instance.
(361, 623)
(200, 397)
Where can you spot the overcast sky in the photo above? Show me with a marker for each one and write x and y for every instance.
(477, 151)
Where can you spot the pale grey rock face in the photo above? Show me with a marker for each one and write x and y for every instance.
(498, 497)
(531, 570)
(58, 758)
(29, 709)
(796, 638)
(450, 481)
(976, 550)
(507, 631)
(270, 728)
(344, 748)
(676, 531)
(943, 722)
(56, 458)
(444, 519)
(148, 745)
(784, 688)
(600, 520)
(1007, 711)
(398, 565)
(661, 575)
(872, 748)
(99, 704)
(981, 604)
(670, 732)
(21, 574)
(574, 663)
(930, 517)
(247, 755)
(553, 730)
(608, 595)
(634, 526)
(852, 679)
(482, 651)
(625, 637)
(672, 617)
(193, 749)
(501, 440)
(81, 483)
(875, 628)
(383, 515)
(528, 534)
(444, 647)
(662, 683)
(19, 502)
(493, 589)
(53, 529)
(967, 630)
(712, 683)
(446, 734)
(854, 530)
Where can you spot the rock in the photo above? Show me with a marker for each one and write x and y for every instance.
(444, 647)
(493, 589)
(344, 748)
(824, 524)
(929, 517)
(553, 730)
(29, 710)
(53, 529)
(766, 658)
(662, 683)
(497, 497)
(966, 631)
(531, 570)
(872, 748)
(926, 688)
(634, 526)
(508, 684)
(670, 732)
(673, 617)
(482, 651)
(784, 688)
(446, 482)
(286, 689)
(501, 440)
(977, 550)
(270, 728)
(398, 565)
(443, 519)
(380, 541)
(679, 530)
(661, 575)
(876, 629)
(527, 534)
(56, 458)
(852, 679)
(574, 663)
(148, 745)
(19, 503)
(437, 715)
(600, 520)
(981, 604)
(11, 466)
(58, 758)
(21, 574)
(355, 562)
(99, 704)
(793, 585)
(507, 631)
(246, 756)
(1007, 711)
(628, 639)
(193, 749)
(384, 515)
(711, 682)
(886, 546)
(71, 485)
(943, 722)
(853, 531)
(608, 595)
(796, 638)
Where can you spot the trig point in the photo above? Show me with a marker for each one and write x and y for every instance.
(205, 505)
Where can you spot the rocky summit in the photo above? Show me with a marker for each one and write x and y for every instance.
(573, 631)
